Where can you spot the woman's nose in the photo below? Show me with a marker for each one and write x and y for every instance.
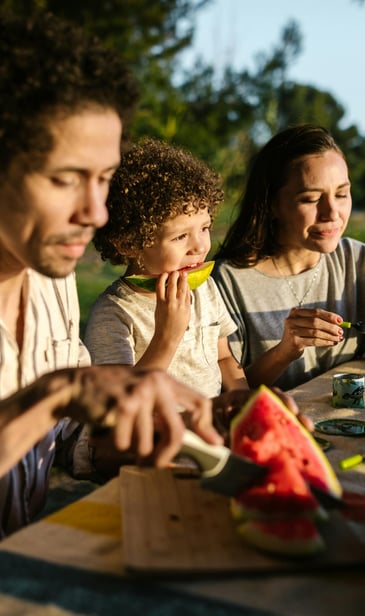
(328, 208)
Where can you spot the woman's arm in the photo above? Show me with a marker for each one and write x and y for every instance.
(303, 327)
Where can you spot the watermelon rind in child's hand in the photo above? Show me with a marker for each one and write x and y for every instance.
(196, 277)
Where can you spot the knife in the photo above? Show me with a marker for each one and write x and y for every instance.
(221, 470)
(228, 474)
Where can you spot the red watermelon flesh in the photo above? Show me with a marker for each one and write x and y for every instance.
(265, 430)
(281, 509)
(284, 492)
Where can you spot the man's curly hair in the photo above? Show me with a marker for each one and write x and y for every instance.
(49, 69)
(155, 182)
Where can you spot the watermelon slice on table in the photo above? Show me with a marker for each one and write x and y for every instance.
(268, 433)
(290, 537)
(284, 492)
(196, 277)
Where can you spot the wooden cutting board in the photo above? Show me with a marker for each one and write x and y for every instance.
(172, 526)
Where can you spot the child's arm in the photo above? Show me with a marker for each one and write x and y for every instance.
(233, 376)
(172, 316)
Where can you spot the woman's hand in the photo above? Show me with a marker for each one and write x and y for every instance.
(305, 327)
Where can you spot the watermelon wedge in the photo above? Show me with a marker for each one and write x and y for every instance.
(293, 537)
(268, 433)
(196, 277)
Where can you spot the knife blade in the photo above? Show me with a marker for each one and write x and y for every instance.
(221, 470)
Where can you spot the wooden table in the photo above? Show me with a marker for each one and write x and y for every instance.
(72, 561)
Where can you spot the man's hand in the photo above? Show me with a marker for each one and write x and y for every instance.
(129, 401)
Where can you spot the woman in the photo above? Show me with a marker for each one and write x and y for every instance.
(287, 277)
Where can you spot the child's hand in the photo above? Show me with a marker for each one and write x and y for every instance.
(172, 314)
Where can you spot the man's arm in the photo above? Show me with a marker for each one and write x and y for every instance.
(132, 402)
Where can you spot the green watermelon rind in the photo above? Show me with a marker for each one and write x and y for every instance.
(269, 517)
(253, 532)
(331, 483)
(195, 278)
(240, 512)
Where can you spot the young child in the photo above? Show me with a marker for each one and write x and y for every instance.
(161, 204)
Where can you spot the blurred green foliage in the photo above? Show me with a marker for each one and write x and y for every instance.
(223, 118)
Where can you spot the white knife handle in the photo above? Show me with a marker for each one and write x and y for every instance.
(207, 456)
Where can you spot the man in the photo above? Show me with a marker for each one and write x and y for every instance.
(63, 98)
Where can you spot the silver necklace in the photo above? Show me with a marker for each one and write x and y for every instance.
(290, 284)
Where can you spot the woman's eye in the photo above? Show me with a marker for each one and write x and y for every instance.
(309, 199)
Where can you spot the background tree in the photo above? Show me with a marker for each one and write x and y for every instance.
(223, 118)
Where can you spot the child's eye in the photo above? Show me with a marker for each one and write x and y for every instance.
(179, 237)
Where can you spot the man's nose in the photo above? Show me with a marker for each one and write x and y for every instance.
(93, 210)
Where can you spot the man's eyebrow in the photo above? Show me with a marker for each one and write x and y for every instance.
(81, 170)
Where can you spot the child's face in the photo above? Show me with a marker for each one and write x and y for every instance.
(183, 242)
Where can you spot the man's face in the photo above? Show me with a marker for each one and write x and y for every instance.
(48, 216)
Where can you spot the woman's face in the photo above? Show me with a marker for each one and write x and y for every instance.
(313, 207)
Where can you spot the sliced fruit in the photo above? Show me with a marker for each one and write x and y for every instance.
(196, 277)
(295, 537)
(284, 492)
(265, 428)
(280, 511)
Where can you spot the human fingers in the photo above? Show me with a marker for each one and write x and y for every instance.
(161, 285)
(198, 413)
(319, 316)
(313, 329)
(158, 396)
(177, 287)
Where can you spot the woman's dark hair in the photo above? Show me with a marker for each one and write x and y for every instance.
(253, 234)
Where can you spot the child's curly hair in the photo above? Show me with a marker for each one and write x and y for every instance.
(49, 69)
(155, 181)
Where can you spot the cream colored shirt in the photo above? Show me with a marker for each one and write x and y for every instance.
(122, 323)
(51, 333)
(51, 341)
